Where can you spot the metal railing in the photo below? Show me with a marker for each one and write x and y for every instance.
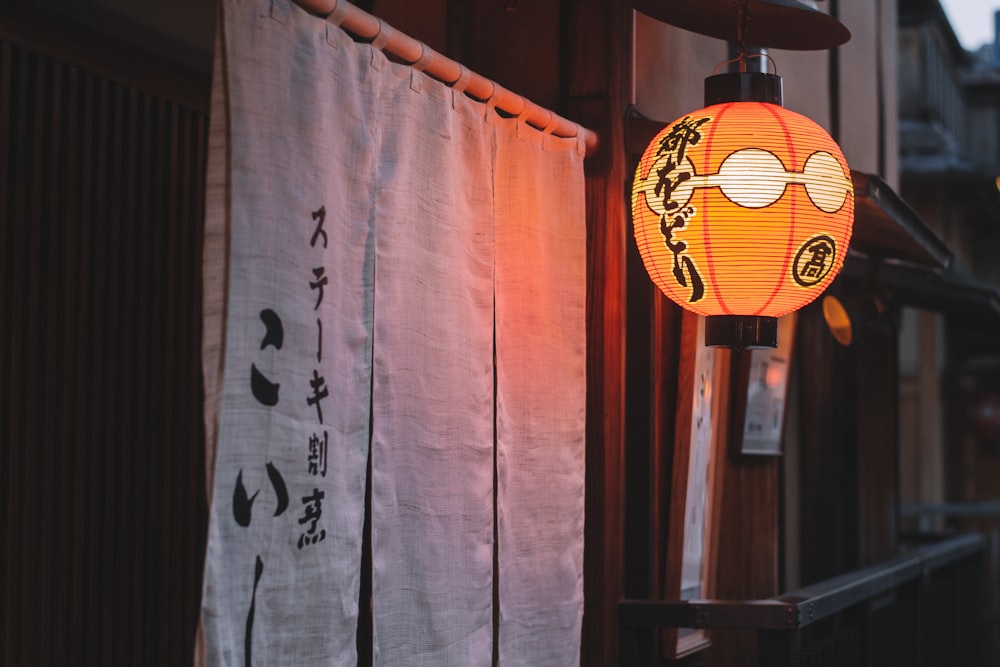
(919, 609)
(983, 517)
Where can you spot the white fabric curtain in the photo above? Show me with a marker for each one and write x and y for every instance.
(282, 568)
(541, 376)
(432, 441)
(394, 272)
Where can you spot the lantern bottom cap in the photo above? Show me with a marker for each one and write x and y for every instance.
(741, 332)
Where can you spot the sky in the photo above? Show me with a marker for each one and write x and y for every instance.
(972, 20)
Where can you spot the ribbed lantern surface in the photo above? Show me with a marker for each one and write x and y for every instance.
(743, 208)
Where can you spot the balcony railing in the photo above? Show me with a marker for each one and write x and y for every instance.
(919, 609)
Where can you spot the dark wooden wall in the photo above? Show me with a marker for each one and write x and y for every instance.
(594, 72)
(102, 522)
(848, 447)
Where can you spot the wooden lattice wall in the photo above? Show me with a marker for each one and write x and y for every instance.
(102, 494)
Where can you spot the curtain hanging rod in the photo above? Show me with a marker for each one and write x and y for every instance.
(345, 15)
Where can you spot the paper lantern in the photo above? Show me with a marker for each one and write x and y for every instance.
(742, 210)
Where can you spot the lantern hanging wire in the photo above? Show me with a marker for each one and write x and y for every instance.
(742, 25)
(742, 22)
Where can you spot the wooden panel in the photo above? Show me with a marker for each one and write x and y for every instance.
(652, 360)
(908, 429)
(100, 389)
(101, 55)
(665, 344)
(930, 441)
(746, 525)
(827, 377)
(426, 21)
(593, 81)
(791, 491)
(641, 510)
(515, 43)
(878, 476)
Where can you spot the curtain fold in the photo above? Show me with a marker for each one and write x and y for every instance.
(393, 270)
(541, 380)
(282, 568)
(432, 445)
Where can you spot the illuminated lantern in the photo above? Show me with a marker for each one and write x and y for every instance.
(742, 210)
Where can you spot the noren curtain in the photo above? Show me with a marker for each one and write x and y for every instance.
(394, 277)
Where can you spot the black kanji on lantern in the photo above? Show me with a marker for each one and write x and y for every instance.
(672, 172)
(814, 260)
(684, 266)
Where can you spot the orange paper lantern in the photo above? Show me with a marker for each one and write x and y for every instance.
(744, 210)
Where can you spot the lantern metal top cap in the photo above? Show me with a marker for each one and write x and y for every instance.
(776, 24)
(743, 87)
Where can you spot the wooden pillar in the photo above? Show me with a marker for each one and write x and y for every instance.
(594, 46)
(746, 525)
